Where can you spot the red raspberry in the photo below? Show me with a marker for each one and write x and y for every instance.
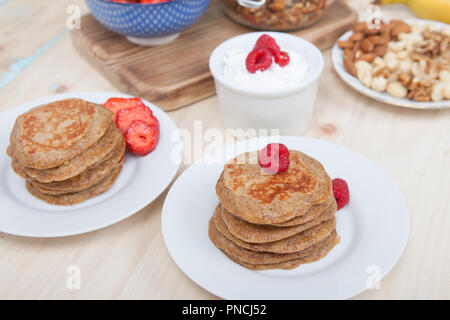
(258, 59)
(267, 42)
(341, 193)
(274, 158)
(127, 116)
(117, 104)
(282, 59)
(142, 138)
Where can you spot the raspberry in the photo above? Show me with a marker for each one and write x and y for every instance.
(267, 42)
(282, 59)
(142, 138)
(117, 104)
(274, 158)
(341, 193)
(258, 59)
(127, 116)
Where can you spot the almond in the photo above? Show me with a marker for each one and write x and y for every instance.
(376, 40)
(348, 54)
(349, 66)
(357, 36)
(367, 57)
(380, 50)
(367, 46)
(345, 44)
(359, 27)
(386, 37)
(392, 24)
(400, 28)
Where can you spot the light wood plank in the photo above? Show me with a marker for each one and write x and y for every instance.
(129, 259)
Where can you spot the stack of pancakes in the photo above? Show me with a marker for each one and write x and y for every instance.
(274, 221)
(67, 151)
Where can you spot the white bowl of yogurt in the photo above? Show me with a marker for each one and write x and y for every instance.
(279, 98)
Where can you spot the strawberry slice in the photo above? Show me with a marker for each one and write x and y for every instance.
(125, 117)
(117, 104)
(142, 138)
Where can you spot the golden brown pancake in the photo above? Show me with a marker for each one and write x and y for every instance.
(255, 257)
(101, 149)
(69, 199)
(311, 214)
(291, 264)
(268, 199)
(49, 135)
(258, 233)
(294, 243)
(96, 177)
(87, 178)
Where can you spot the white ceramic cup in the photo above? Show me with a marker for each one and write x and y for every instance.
(289, 109)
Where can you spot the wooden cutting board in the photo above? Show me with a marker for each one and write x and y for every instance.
(177, 74)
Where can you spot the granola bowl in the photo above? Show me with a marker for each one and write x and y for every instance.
(276, 15)
(361, 83)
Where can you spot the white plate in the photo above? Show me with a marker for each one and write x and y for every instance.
(142, 180)
(373, 227)
(337, 56)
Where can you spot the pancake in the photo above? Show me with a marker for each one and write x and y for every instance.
(298, 242)
(90, 157)
(49, 135)
(254, 257)
(291, 264)
(267, 199)
(97, 177)
(311, 214)
(257, 233)
(87, 178)
(77, 197)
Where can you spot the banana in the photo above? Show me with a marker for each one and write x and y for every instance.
(427, 9)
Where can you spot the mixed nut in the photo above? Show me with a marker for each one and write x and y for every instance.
(406, 61)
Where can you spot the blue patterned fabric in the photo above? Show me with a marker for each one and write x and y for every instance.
(147, 20)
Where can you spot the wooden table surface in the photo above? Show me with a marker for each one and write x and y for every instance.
(129, 259)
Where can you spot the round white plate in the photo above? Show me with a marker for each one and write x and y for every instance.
(142, 180)
(337, 59)
(373, 227)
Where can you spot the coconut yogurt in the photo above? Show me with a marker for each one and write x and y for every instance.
(276, 77)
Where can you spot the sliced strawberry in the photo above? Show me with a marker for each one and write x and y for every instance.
(117, 104)
(126, 117)
(142, 138)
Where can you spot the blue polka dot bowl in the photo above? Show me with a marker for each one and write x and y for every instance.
(148, 24)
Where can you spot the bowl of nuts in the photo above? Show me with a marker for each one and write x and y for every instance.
(404, 63)
(276, 15)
